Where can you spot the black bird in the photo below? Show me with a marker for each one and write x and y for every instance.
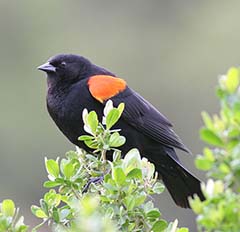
(74, 83)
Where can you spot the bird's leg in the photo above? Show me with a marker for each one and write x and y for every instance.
(95, 180)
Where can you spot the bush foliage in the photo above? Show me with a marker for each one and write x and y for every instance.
(99, 195)
(87, 192)
(221, 210)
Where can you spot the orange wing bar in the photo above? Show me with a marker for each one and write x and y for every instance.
(103, 87)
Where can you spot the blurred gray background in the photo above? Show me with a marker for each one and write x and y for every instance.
(171, 52)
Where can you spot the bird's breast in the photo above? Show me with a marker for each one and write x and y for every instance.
(66, 107)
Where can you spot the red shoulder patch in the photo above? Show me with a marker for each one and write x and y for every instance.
(103, 87)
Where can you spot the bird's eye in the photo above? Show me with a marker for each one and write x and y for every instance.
(62, 64)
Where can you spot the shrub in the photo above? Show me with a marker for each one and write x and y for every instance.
(221, 210)
(94, 194)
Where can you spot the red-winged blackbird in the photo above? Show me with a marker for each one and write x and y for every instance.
(74, 83)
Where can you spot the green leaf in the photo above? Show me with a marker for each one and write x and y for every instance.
(154, 213)
(130, 202)
(91, 144)
(44, 206)
(52, 198)
(132, 160)
(72, 155)
(232, 80)
(38, 212)
(85, 137)
(121, 107)
(218, 187)
(208, 154)
(92, 120)
(203, 164)
(8, 208)
(236, 110)
(233, 132)
(196, 204)
(116, 155)
(108, 107)
(224, 168)
(34, 208)
(51, 184)
(183, 229)
(112, 118)
(210, 137)
(233, 143)
(221, 93)
(55, 214)
(116, 140)
(139, 200)
(172, 227)
(68, 170)
(158, 188)
(160, 225)
(110, 186)
(131, 226)
(118, 175)
(207, 120)
(135, 173)
(52, 167)
(20, 227)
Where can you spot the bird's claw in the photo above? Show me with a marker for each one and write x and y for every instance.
(95, 180)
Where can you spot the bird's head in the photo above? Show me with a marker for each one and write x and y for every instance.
(66, 67)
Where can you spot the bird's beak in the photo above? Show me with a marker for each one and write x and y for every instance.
(47, 67)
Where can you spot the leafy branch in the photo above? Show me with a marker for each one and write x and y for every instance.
(221, 210)
(118, 192)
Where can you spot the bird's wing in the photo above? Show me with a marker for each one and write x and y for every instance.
(138, 112)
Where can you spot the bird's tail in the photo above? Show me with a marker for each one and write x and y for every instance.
(180, 183)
